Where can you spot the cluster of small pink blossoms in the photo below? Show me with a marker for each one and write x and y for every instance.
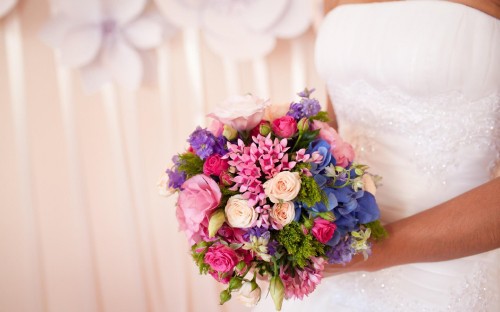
(304, 281)
(263, 158)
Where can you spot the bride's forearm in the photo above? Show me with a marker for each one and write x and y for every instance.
(466, 225)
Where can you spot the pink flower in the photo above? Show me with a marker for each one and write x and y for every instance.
(216, 127)
(284, 127)
(241, 112)
(231, 235)
(323, 230)
(215, 165)
(303, 282)
(199, 197)
(342, 151)
(221, 258)
(344, 154)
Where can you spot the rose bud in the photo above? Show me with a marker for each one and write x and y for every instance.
(229, 133)
(225, 178)
(303, 124)
(263, 128)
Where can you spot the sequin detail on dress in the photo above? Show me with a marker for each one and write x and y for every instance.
(438, 125)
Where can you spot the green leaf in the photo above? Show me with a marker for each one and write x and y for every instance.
(217, 219)
(321, 116)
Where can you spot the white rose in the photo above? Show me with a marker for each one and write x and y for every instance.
(239, 213)
(241, 112)
(162, 185)
(369, 184)
(283, 187)
(282, 213)
(249, 294)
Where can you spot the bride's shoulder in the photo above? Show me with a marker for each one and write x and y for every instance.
(490, 7)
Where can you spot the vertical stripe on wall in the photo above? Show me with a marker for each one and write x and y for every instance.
(78, 196)
(193, 59)
(261, 77)
(123, 187)
(15, 71)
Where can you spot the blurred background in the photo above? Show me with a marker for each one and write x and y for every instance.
(96, 96)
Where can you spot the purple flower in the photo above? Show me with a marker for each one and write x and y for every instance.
(306, 107)
(257, 232)
(204, 143)
(272, 246)
(341, 253)
(175, 178)
(306, 93)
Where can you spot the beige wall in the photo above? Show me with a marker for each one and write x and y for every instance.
(81, 225)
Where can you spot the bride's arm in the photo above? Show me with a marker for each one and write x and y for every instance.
(465, 225)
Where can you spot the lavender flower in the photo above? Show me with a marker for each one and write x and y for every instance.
(307, 107)
(175, 178)
(341, 253)
(204, 143)
(257, 232)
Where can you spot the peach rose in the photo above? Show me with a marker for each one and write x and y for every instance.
(285, 186)
(282, 213)
(239, 213)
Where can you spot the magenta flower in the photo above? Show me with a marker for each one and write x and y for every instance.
(221, 258)
(323, 230)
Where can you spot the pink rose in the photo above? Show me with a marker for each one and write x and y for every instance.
(284, 127)
(344, 154)
(221, 258)
(214, 165)
(342, 151)
(199, 197)
(241, 112)
(323, 230)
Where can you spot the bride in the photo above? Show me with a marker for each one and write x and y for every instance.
(416, 89)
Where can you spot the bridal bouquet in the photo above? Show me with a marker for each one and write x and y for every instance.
(270, 196)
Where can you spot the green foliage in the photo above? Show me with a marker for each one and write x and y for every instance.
(378, 230)
(191, 164)
(226, 193)
(301, 165)
(321, 116)
(310, 193)
(304, 139)
(198, 252)
(300, 247)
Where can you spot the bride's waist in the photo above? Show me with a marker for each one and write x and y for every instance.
(417, 176)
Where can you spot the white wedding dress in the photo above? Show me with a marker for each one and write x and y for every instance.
(416, 89)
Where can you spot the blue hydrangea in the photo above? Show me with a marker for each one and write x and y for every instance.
(341, 253)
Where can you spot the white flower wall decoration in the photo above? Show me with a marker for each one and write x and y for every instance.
(106, 39)
(6, 6)
(241, 29)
